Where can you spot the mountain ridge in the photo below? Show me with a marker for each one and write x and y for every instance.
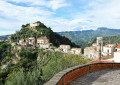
(79, 37)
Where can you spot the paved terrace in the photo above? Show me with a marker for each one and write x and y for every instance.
(88, 74)
(102, 77)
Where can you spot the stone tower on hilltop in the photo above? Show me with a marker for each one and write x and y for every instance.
(34, 25)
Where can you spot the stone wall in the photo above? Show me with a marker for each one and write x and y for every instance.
(66, 76)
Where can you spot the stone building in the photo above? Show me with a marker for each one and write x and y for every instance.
(65, 48)
(101, 50)
(27, 42)
(1, 40)
(24, 44)
(95, 50)
(91, 52)
(34, 25)
(117, 48)
(108, 49)
(117, 54)
(30, 41)
(43, 42)
(21, 42)
(76, 51)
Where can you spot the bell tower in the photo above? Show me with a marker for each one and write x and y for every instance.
(100, 44)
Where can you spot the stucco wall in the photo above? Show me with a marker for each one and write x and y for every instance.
(116, 56)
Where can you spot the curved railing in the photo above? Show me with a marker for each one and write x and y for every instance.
(66, 76)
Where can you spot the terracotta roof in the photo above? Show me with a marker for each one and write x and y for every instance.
(97, 60)
(118, 46)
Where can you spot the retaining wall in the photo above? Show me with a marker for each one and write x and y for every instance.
(66, 76)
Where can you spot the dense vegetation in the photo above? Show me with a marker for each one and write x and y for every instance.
(79, 37)
(37, 66)
(5, 52)
(41, 31)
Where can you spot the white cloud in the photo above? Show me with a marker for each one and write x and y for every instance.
(101, 13)
(53, 4)
(6, 32)
(96, 14)
(14, 16)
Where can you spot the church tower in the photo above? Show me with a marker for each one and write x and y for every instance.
(100, 44)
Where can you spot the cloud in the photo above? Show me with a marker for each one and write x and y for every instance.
(83, 16)
(6, 32)
(13, 16)
(101, 14)
(53, 4)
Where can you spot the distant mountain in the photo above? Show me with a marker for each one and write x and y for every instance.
(79, 37)
(4, 37)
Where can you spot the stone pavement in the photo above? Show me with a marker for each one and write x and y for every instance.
(102, 77)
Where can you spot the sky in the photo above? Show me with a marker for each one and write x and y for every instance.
(60, 15)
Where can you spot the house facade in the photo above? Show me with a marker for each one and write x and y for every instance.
(117, 56)
(65, 48)
(108, 49)
(43, 42)
(117, 48)
(76, 51)
(30, 41)
(91, 52)
(1, 40)
(27, 42)
(21, 41)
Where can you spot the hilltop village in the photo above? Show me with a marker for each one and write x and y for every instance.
(98, 49)
(37, 50)
(41, 42)
(109, 52)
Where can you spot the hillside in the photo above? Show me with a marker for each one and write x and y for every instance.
(18, 64)
(108, 40)
(79, 37)
(41, 31)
